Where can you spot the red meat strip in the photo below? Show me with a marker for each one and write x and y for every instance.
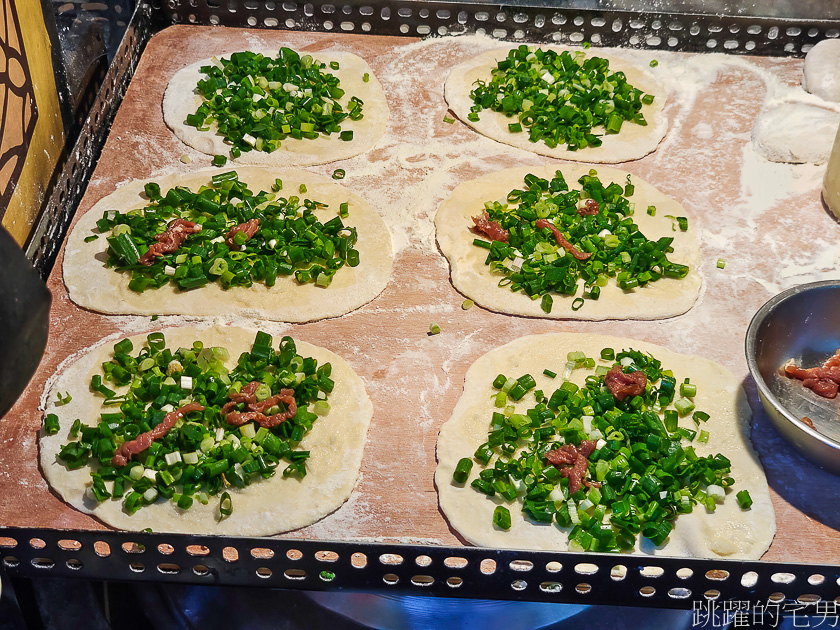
(249, 228)
(590, 207)
(623, 385)
(255, 410)
(572, 462)
(824, 381)
(170, 240)
(492, 229)
(144, 440)
(561, 240)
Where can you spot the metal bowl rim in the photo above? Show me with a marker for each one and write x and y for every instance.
(750, 342)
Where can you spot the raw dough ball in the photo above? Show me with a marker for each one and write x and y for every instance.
(795, 132)
(821, 75)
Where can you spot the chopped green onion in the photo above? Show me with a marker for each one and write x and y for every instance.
(256, 102)
(648, 474)
(684, 406)
(721, 263)
(462, 470)
(51, 426)
(225, 505)
(448, 120)
(290, 241)
(201, 453)
(549, 373)
(219, 160)
(501, 517)
(559, 98)
(434, 329)
(688, 390)
(744, 499)
(552, 249)
(653, 63)
(339, 173)
(63, 400)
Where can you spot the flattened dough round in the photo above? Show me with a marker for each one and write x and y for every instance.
(666, 297)
(93, 285)
(336, 443)
(181, 99)
(633, 142)
(728, 532)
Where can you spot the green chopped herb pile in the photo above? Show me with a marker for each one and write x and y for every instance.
(533, 262)
(559, 98)
(257, 102)
(290, 239)
(202, 454)
(643, 461)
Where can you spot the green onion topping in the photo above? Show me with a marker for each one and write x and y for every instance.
(560, 98)
(602, 241)
(257, 102)
(290, 239)
(641, 471)
(201, 454)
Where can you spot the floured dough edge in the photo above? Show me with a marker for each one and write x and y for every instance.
(92, 285)
(664, 298)
(181, 99)
(729, 532)
(633, 142)
(336, 443)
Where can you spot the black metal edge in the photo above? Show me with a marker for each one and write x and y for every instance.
(581, 578)
(687, 32)
(66, 195)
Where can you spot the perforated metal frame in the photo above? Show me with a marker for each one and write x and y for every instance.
(467, 572)
(540, 23)
(429, 570)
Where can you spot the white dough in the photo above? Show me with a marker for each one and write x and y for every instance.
(795, 133)
(268, 506)
(729, 532)
(93, 285)
(182, 99)
(821, 75)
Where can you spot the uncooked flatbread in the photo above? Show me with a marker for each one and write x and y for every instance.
(633, 142)
(93, 285)
(729, 532)
(664, 298)
(182, 99)
(270, 506)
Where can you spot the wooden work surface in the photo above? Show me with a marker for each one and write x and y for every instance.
(415, 379)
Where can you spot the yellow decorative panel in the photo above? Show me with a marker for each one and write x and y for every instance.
(31, 129)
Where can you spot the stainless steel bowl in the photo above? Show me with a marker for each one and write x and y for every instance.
(803, 324)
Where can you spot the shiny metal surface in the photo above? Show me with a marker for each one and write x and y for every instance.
(802, 324)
